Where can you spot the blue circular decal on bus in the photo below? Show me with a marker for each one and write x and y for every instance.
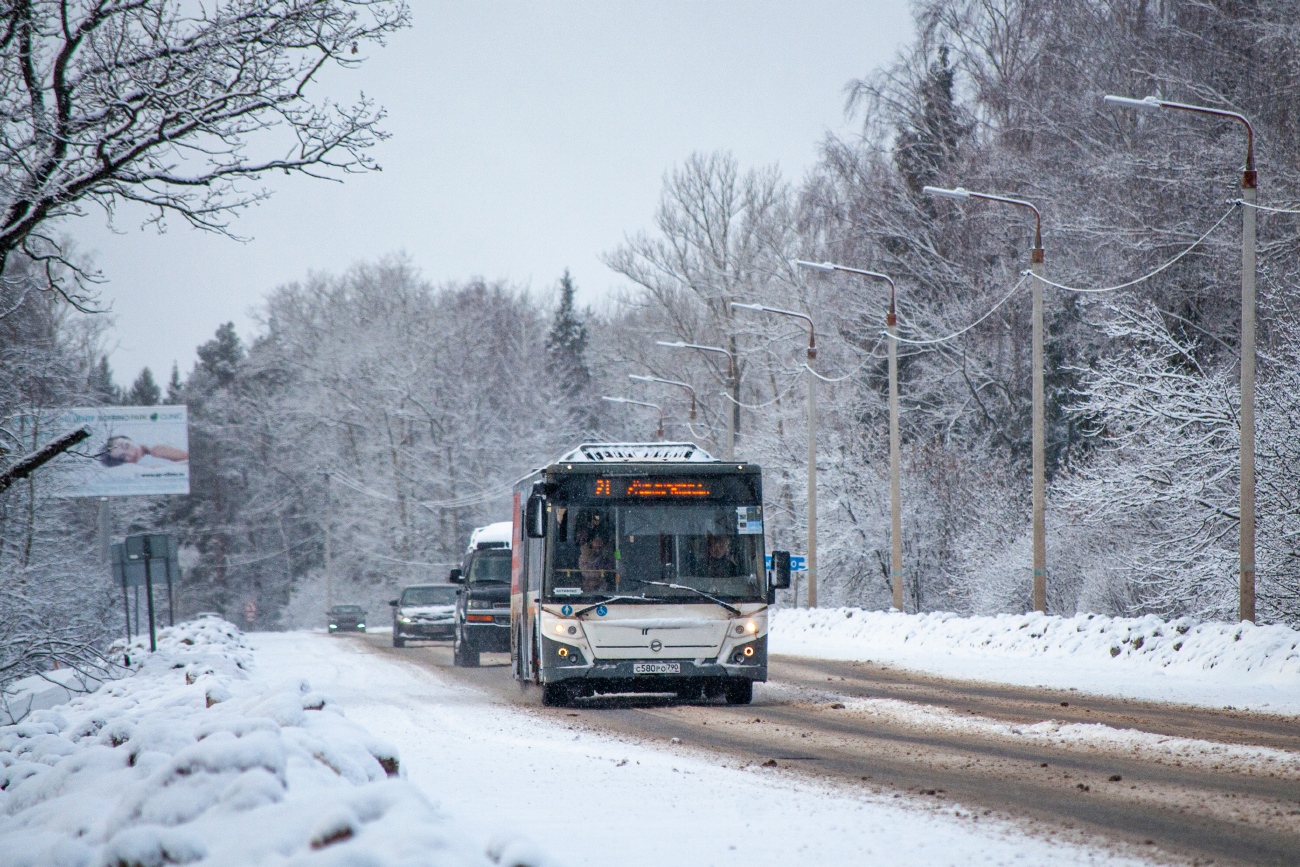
(601, 610)
(566, 610)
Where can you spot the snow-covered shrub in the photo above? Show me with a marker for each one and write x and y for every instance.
(191, 761)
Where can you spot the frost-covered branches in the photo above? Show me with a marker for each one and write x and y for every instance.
(172, 105)
(1164, 469)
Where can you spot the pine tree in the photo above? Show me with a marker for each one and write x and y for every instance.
(566, 344)
(220, 357)
(566, 356)
(927, 141)
(175, 390)
(100, 382)
(144, 391)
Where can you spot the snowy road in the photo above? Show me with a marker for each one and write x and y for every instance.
(591, 788)
(1199, 783)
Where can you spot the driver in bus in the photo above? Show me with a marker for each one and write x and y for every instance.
(720, 561)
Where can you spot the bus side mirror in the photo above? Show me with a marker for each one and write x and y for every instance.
(535, 517)
(455, 577)
(781, 569)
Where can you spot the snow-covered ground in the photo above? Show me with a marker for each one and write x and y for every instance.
(1237, 665)
(200, 756)
(508, 775)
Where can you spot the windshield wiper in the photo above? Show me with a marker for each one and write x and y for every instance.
(733, 609)
(594, 605)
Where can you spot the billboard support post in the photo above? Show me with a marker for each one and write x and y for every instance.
(148, 594)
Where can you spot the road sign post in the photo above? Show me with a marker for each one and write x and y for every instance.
(138, 556)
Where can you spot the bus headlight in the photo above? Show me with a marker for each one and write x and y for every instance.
(563, 628)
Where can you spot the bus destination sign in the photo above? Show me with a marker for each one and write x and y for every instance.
(651, 488)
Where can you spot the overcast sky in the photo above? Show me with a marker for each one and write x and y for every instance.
(526, 137)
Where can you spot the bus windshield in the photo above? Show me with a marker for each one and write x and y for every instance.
(607, 548)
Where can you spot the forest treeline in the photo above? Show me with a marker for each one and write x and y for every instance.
(389, 414)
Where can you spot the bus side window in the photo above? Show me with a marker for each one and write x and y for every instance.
(536, 558)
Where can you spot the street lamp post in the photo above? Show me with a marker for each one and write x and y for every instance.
(895, 438)
(1039, 445)
(733, 386)
(684, 385)
(1249, 196)
(812, 441)
(659, 434)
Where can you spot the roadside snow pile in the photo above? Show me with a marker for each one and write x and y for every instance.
(191, 761)
(1143, 657)
(45, 690)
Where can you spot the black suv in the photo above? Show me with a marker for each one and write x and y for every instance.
(346, 618)
(425, 611)
(483, 607)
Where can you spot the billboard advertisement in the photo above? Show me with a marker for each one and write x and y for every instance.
(132, 451)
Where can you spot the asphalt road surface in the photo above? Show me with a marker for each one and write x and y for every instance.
(1195, 808)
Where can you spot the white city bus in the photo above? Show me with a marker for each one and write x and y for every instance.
(639, 567)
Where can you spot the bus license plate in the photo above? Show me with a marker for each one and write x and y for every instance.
(656, 668)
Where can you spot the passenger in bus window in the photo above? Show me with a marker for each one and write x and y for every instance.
(596, 554)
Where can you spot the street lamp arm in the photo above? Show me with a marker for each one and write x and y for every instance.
(639, 378)
(1248, 178)
(678, 344)
(763, 308)
(685, 385)
(961, 193)
(832, 266)
(654, 406)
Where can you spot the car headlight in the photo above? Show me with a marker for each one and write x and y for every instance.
(403, 620)
(480, 603)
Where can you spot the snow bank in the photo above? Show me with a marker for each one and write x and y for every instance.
(42, 691)
(1214, 664)
(191, 761)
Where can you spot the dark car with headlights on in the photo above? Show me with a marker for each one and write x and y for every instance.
(424, 611)
(483, 608)
(347, 618)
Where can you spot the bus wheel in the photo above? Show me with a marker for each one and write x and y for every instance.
(740, 691)
(555, 694)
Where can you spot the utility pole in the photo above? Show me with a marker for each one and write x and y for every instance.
(1249, 197)
(329, 571)
(812, 440)
(895, 438)
(1039, 590)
